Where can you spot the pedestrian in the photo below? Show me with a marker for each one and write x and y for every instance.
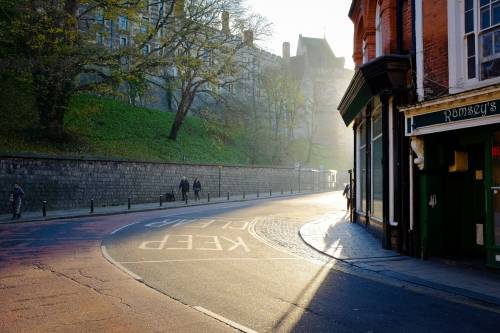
(184, 187)
(17, 198)
(347, 195)
(196, 189)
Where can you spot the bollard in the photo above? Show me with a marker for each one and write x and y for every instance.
(161, 200)
(44, 208)
(91, 205)
(186, 199)
(208, 196)
(128, 204)
(281, 191)
(243, 194)
(291, 190)
(227, 195)
(270, 193)
(257, 193)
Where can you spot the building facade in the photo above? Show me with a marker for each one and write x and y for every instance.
(424, 103)
(322, 78)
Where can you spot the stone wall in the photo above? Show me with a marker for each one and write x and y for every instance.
(71, 183)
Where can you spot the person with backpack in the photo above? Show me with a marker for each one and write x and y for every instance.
(196, 189)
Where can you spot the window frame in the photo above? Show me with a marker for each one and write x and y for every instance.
(457, 50)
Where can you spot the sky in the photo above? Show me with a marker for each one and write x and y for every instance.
(311, 18)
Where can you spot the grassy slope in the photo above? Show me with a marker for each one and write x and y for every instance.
(106, 128)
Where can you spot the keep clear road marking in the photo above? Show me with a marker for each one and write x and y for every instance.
(224, 320)
(204, 259)
(187, 240)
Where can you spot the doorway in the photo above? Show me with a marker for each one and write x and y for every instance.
(464, 208)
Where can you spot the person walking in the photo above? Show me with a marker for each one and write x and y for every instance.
(17, 199)
(184, 188)
(347, 195)
(196, 189)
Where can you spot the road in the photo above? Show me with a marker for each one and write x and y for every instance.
(235, 266)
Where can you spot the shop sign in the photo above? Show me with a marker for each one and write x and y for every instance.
(451, 118)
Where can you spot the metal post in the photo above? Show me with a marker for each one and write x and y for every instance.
(161, 200)
(208, 196)
(281, 191)
(227, 195)
(186, 197)
(44, 208)
(257, 193)
(270, 192)
(299, 177)
(129, 203)
(91, 205)
(243, 194)
(291, 191)
(350, 201)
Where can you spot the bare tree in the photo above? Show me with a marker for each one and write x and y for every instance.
(204, 54)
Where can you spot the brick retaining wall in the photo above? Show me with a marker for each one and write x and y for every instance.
(70, 183)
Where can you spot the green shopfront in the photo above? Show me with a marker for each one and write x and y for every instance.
(456, 146)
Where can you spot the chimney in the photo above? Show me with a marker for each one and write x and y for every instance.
(248, 38)
(286, 51)
(225, 22)
(179, 8)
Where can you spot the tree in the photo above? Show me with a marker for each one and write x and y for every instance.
(283, 98)
(203, 57)
(54, 44)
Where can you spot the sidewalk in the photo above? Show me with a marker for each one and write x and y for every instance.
(354, 245)
(144, 207)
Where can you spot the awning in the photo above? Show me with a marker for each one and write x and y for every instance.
(383, 75)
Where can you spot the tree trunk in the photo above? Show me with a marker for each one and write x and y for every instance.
(174, 130)
(52, 100)
(178, 121)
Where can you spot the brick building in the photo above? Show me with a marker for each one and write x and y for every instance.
(423, 103)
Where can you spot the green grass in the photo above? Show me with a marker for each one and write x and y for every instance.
(106, 128)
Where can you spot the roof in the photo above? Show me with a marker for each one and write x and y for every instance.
(317, 50)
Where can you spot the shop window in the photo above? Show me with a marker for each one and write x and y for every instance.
(362, 168)
(496, 186)
(377, 171)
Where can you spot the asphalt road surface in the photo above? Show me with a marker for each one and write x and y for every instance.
(245, 265)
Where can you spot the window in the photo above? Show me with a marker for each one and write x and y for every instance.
(377, 171)
(378, 32)
(144, 25)
(99, 39)
(123, 41)
(482, 38)
(362, 167)
(122, 22)
(365, 52)
(99, 17)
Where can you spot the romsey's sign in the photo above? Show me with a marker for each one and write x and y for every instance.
(459, 117)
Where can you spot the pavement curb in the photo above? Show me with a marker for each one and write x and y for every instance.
(64, 217)
(483, 299)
